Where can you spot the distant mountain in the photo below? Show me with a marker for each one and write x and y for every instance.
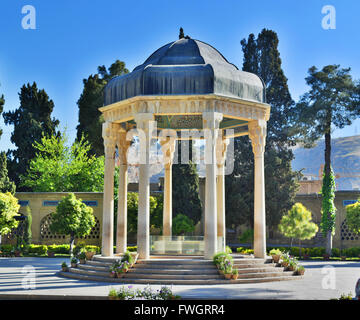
(345, 158)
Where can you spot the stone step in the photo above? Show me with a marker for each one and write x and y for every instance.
(174, 271)
(260, 269)
(166, 276)
(175, 281)
(93, 267)
(89, 272)
(173, 266)
(252, 261)
(254, 265)
(207, 271)
(175, 262)
(264, 275)
(108, 260)
(99, 263)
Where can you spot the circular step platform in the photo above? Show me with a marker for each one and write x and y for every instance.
(182, 270)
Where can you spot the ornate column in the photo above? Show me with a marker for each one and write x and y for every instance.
(222, 144)
(109, 134)
(168, 148)
(211, 123)
(144, 125)
(121, 226)
(257, 134)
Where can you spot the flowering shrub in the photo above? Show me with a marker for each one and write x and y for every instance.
(126, 293)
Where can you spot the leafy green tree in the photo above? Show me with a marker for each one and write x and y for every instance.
(9, 209)
(247, 236)
(5, 184)
(92, 98)
(261, 56)
(297, 224)
(333, 101)
(182, 224)
(132, 207)
(73, 218)
(57, 167)
(31, 120)
(353, 216)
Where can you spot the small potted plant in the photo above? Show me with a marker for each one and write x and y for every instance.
(89, 254)
(112, 272)
(343, 258)
(221, 269)
(73, 262)
(285, 260)
(82, 257)
(235, 274)
(276, 255)
(125, 266)
(292, 265)
(228, 274)
(306, 256)
(64, 267)
(119, 271)
(300, 270)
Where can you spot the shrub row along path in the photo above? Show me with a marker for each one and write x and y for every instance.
(323, 280)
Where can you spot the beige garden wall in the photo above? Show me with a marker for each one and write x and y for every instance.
(43, 203)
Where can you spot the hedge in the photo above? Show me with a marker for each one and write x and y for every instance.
(320, 251)
(35, 249)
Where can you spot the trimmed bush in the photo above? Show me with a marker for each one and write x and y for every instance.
(37, 249)
(59, 249)
(6, 248)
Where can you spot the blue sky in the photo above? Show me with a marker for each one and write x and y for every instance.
(72, 38)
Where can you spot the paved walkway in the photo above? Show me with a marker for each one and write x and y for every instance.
(323, 280)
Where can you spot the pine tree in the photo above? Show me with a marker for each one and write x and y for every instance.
(30, 120)
(333, 101)
(261, 56)
(91, 99)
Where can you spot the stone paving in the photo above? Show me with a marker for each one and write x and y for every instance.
(323, 280)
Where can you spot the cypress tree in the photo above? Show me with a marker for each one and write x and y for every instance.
(185, 187)
(91, 99)
(5, 184)
(261, 56)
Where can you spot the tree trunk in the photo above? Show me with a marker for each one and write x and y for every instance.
(327, 171)
(327, 166)
(329, 242)
(299, 249)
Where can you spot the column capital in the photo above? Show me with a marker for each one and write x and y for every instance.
(123, 145)
(211, 120)
(257, 135)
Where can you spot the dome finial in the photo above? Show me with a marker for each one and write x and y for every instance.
(181, 34)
